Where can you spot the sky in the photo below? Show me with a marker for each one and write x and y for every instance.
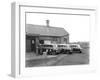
(77, 26)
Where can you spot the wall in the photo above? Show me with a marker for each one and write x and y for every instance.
(28, 45)
(5, 41)
(65, 37)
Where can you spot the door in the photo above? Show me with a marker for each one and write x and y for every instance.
(33, 45)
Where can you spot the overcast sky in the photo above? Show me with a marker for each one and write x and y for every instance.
(77, 26)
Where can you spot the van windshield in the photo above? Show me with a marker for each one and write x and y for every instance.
(46, 45)
(73, 46)
(62, 46)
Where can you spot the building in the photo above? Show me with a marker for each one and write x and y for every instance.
(40, 34)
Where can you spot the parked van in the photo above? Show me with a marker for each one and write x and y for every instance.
(55, 49)
(64, 49)
(75, 48)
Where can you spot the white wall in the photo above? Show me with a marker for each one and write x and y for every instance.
(5, 41)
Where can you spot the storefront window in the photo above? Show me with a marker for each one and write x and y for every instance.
(41, 41)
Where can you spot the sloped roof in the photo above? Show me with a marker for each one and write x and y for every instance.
(45, 31)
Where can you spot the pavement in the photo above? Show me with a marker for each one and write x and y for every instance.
(33, 60)
(32, 56)
(44, 60)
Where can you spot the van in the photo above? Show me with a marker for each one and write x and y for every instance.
(75, 48)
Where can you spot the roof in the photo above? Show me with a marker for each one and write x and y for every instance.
(44, 30)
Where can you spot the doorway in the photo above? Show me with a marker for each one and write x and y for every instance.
(33, 45)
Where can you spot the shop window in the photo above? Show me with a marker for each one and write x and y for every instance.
(41, 41)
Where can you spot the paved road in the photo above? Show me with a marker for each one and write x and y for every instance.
(74, 59)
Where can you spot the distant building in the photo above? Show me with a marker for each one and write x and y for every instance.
(40, 34)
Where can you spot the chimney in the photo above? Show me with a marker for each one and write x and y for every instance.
(47, 23)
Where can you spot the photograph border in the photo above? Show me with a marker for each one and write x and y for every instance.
(16, 55)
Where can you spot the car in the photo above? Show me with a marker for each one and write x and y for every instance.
(75, 48)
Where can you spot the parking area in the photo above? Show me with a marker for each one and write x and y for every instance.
(58, 60)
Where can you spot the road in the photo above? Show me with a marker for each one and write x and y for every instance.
(73, 59)
(58, 60)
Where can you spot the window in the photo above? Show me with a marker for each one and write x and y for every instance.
(41, 41)
(65, 39)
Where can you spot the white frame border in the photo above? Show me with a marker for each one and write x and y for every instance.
(18, 30)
